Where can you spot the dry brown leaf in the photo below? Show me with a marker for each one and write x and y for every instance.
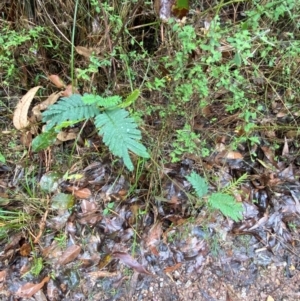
(70, 254)
(69, 91)
(66, 136)
(25, 250)
(285, 150)
(29, 289)
(83, 193)
(86, 52)
(173, 268)
(57, 81)
(45, 104)
(131, 262)
(3, 275)
(20, 119)
(154, 235)
(26, 138)
(233, 155)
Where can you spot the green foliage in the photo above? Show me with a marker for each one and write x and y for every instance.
(2, 158)
(36, 268)
(226, 204)
(198, 183)
(119, 131)
(10, 40)
(220, 200)
(43, 140)
(105, 102)
(187, 142)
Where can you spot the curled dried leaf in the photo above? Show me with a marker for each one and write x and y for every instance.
(45, 104)
(57, 81)
(20, 119)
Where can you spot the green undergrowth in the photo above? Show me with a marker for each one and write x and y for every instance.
(208, 67)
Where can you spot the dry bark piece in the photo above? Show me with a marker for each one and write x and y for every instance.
(20, 119)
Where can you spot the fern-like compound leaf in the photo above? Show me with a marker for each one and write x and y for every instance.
(227, 205)
(198, 183)
(121, 135)
(69, 109)
(105, 102)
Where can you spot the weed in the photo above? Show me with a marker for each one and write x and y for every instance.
(109, 207)
(119, 131)
(36, 266)
(61, 240)
(222, 201)
(10, 40)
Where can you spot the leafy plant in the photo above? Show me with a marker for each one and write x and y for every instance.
(10, 40)
(222, 201)
(119, 130)
(187, 142)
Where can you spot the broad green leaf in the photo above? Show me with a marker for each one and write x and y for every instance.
(43, 141)
(62, 201)
(198, 183)
(237, 59)
(2, 158)
(131, 98)
(49, 182)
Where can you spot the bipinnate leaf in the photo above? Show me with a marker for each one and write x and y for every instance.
(69, 109)
(20, 119)
(121, 135)
(227, 205)
(198, 183)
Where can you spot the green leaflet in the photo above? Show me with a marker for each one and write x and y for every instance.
(227, 205)
(121, 135)
(198, 183)
(130, 99)
(43, 141)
